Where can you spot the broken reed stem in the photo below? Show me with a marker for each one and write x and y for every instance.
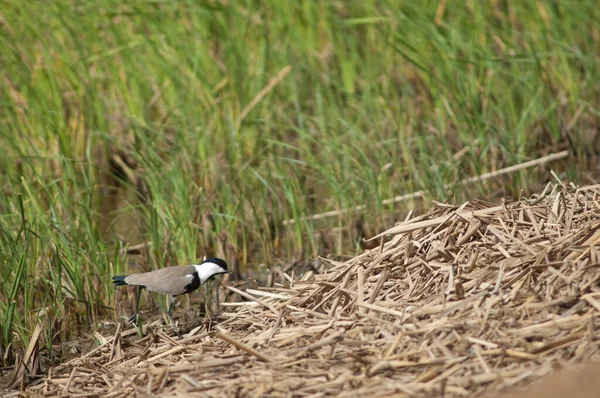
(249, 297)
(223, 335)
(282, 73)
(419, 194)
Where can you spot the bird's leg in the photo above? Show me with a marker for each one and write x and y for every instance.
(170, 315)
(134, 317)
(171, 307)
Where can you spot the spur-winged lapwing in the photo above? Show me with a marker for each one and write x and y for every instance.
(174, 281)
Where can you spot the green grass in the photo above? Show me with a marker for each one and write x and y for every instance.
(380, 98)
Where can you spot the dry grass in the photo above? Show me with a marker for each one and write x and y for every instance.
(463, 300)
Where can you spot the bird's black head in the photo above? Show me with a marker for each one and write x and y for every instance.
(210, 268)
(220, 262)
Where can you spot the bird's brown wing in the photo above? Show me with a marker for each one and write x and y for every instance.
(169, 280)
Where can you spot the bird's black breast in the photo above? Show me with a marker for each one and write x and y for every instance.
(193, 285)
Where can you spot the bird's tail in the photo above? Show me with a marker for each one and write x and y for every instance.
(119, 280)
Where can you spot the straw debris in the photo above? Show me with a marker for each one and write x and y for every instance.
(463, 300)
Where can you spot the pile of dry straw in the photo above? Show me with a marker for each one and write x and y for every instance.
(462, 300)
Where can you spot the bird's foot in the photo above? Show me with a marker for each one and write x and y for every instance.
(130, 320)
(174, 326)
(133, 319)
(177, 331)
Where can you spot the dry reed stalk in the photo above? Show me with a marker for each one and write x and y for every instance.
(419, 195)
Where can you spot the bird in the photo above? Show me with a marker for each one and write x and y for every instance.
(173, 281)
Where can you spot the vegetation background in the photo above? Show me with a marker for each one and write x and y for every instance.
(202, 126)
